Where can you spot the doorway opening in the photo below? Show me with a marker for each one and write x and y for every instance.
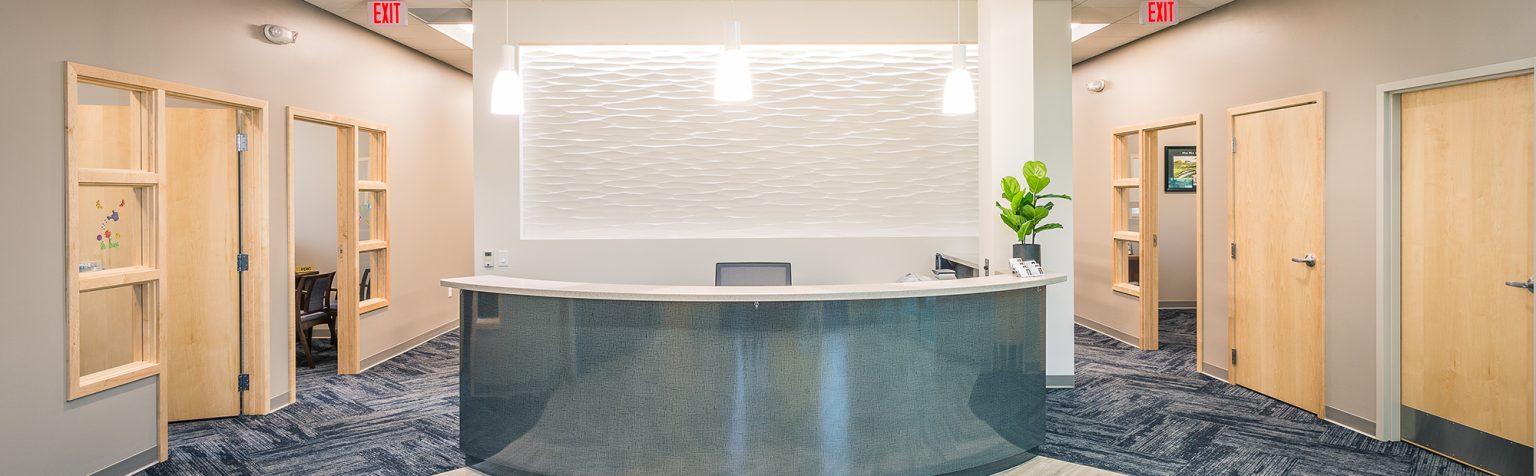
(339, 233)
(1157, 214)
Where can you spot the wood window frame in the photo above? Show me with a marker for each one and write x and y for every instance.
(255, 235)
(349, 248)
(1150, 173)
(146, 181)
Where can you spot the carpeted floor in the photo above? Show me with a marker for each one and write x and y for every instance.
(1140, 413)
(399, 418)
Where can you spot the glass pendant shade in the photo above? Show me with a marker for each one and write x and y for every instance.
(733, 76)
(507, 87)
(959, 91)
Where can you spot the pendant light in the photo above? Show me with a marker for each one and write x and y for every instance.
(959, 91)
(733, 76)
(507, 87)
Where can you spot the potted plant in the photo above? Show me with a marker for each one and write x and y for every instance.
(1027, 208)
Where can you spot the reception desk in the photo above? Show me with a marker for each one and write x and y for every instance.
(920, 378)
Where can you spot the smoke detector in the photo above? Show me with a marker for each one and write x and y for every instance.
(279, 35)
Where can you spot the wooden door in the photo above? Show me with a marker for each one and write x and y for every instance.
(1466, 230)
(1277, 224)
(1151, 175)
(202, 311)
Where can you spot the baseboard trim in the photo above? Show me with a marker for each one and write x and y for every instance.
(1213, 371)
(1128, 339)
(279, 402)
(1351, 421)
(1060, 381)
(406, 346)
(132, 464)
(1176, 304)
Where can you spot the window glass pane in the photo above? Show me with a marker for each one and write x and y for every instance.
(1131, 168)
(368, 165)
(111, 327)
(369, 210)
(1130, 203)
(111, 227)
(370, 274)
(111, 128)
(1130, 252)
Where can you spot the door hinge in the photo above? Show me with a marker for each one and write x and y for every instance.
(241, 144)
(1154, 240)
(243, 382)
(1234, 356)
(242, 262)
(1234, 145)
(1234, 251)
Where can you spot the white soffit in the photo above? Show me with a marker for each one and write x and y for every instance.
(416, 34)
(1119, 15)
(1124, 26)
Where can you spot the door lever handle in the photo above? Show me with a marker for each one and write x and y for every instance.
(1529, 284)
(1309, 259)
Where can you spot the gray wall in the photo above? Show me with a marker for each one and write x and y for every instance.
(1256, 50)
(1175, 228)
(336, 67)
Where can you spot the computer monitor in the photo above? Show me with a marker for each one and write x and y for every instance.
(752, 274)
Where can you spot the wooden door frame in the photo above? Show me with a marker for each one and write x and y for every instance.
(1389, 228)
(348, 353)
(254, 217)
(1318, 98)
(1151, 172)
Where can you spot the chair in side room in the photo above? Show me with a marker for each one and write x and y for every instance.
(752, 274)
(314, 308)
(364, 290)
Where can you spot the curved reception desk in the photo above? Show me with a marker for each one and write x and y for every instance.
(923, 378)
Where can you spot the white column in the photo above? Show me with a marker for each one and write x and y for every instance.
(1025, 107)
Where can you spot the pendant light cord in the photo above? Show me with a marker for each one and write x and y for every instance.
(957, 22)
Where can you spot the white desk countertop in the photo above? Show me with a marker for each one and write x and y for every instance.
(837, 292)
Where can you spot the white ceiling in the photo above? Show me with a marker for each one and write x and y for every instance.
(1123, 25)
(416, 34)
(1119, 14)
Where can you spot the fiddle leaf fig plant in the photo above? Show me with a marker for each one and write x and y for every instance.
(1026, 207)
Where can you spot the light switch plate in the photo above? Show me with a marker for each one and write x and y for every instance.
(503, 258)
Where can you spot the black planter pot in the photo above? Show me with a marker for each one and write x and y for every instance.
(1027, 252)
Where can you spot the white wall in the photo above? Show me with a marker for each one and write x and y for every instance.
(1019, 124)
(687, 261)
(314, 196)
(1175, 228)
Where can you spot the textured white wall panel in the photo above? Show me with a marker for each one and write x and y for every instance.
(627, 142)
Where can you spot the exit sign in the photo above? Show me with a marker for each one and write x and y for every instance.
(1159, 12)
(387, 13)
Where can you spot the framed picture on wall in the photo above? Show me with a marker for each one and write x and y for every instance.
(1179, 165)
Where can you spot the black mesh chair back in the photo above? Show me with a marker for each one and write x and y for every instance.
(314, 295)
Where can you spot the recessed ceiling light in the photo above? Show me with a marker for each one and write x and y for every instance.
(464, 33)
(1080, 30)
